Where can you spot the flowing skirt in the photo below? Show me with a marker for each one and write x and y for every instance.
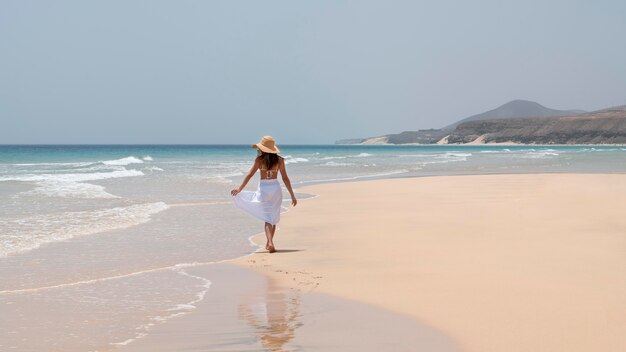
(264, 203)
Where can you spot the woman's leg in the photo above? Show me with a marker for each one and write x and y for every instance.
(268, 234)
(273, 231)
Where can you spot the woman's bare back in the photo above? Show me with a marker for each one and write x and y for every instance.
(269, 174)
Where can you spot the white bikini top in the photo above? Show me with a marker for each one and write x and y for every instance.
(271, 173)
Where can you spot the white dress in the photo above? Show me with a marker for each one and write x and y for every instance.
(264, 203)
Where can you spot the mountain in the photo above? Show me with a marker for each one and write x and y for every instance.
(607, 126)
(512, 109)
(516, 108)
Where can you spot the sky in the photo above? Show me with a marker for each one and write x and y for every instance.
(305, 72)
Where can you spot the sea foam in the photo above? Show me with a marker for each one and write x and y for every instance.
(291, 160)
(334, 163)
(28, 233)
(540, 155)
(73, 177)
(71, 185)
(125, 161)
(332, 157)
(69, 189)
(450, 157)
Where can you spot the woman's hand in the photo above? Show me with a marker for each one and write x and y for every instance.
(294, 201)
(234, 192)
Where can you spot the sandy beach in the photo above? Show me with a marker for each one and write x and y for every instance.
(531, 262)
(517, 262)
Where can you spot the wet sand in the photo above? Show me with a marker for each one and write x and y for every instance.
(247, 311)
(531, 262)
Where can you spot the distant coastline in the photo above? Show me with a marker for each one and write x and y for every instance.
(519, 122)
(495, 144)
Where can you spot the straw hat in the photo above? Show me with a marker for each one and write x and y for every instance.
(267, 145)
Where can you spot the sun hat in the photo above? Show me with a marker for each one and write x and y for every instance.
(267, 144)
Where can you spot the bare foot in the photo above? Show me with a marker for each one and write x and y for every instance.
(267, 246)
(271, 249)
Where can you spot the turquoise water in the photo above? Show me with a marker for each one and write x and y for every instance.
(111, 221)
(55, 193)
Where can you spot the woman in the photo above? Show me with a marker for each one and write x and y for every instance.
(266, 202)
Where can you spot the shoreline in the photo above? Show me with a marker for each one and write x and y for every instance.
(289, 278)
(306, 184)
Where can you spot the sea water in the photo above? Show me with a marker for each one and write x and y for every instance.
(109, 230)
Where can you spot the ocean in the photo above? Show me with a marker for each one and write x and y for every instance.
(110, 229)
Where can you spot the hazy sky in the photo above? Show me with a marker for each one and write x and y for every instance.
(302, 71)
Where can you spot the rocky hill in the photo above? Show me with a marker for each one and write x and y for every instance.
(607, 126)
(516, 108)
(512, 109)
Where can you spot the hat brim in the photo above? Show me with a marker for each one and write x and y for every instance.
(265, 149)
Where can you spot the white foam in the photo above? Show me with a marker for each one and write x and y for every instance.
(450, 157)
(540, 155)
(147, 158)
(174, 267)
(453, 154)
(505, 150)
(442, 161)
(332, 157)
(600, 149)
(72, 184)
(415, 155)
(95, 167)
(363, 155)
(218, 179)
(75, 164)
(153, 168)
(333, 163)
(215, 177)
(291, 160)
(178, 309)
(123, 161)
(126, 342)
(28, 233)
(69, 190)
(229, 174)
(183, 307)
(73, 177)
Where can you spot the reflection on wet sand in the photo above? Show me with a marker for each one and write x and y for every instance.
(273, 313)
(244, 311)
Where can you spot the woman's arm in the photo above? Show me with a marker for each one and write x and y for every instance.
(251, 173)
(283, 172)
